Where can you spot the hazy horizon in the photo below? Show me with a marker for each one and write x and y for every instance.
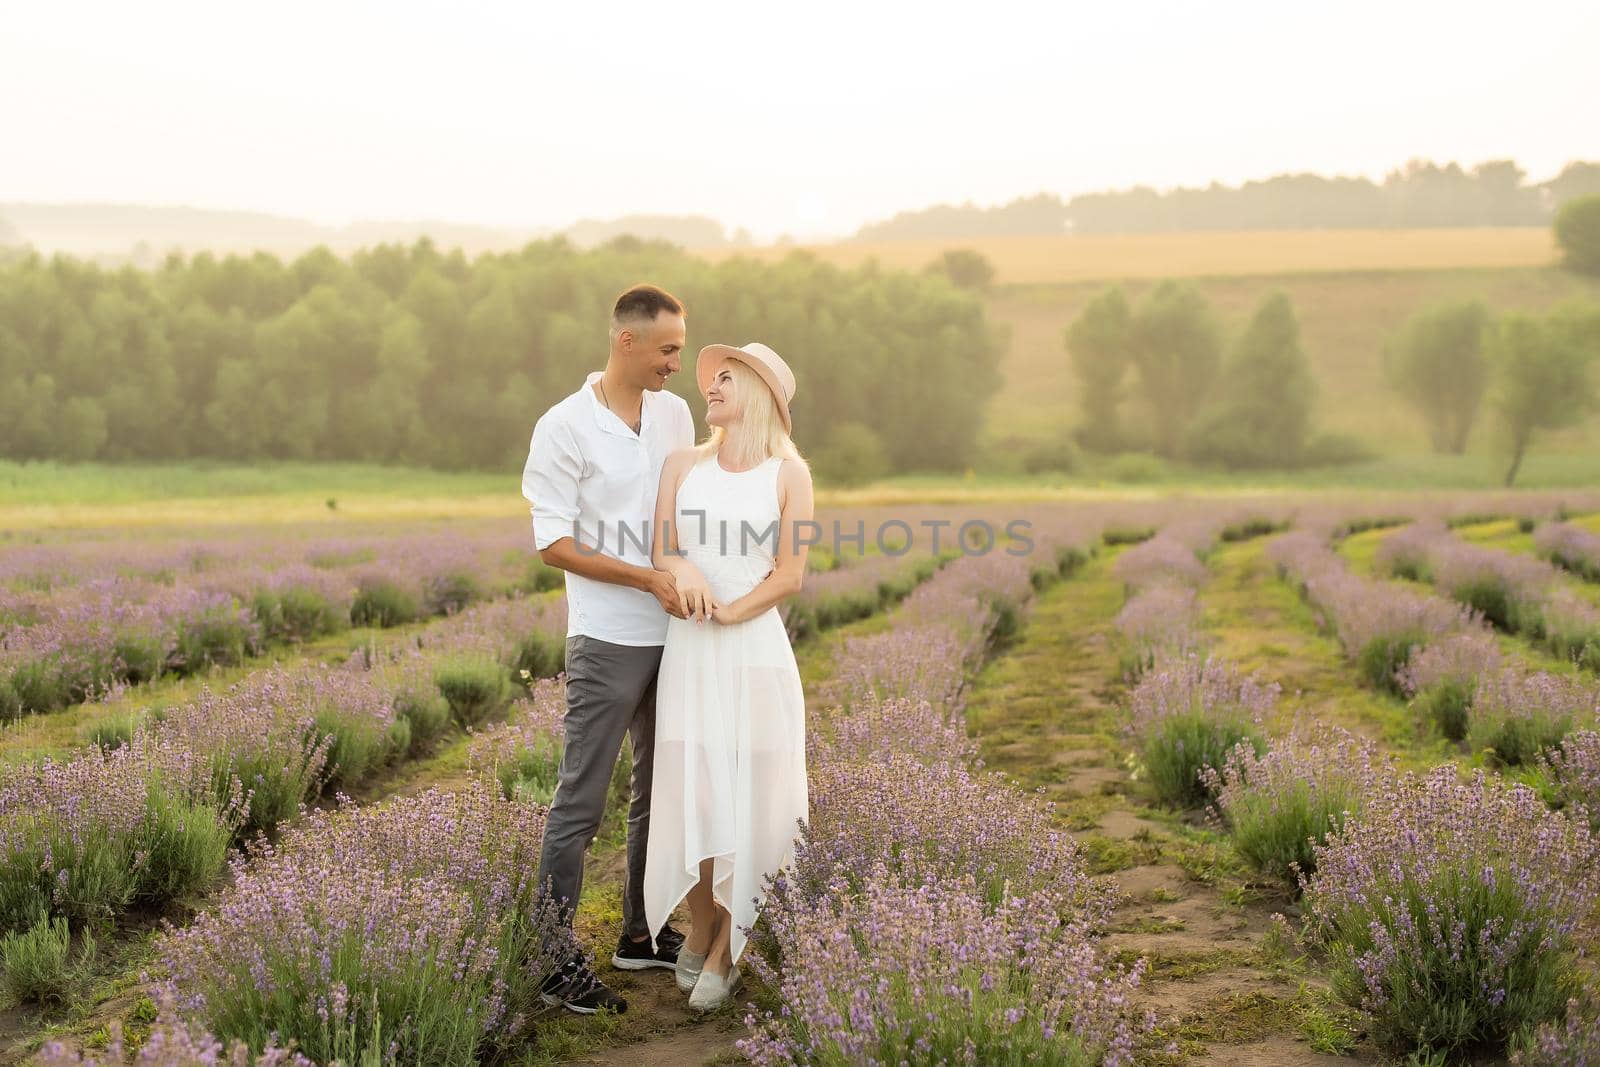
(810, 128)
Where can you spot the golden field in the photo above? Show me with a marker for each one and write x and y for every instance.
(1054, 260)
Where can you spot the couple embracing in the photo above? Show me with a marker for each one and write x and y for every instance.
(676, 557)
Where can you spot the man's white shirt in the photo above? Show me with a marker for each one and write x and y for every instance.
(591, 478)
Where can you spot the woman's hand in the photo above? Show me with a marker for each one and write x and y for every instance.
(727, 615)
(694, 593)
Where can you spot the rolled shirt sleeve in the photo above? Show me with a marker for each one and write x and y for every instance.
(550, 481)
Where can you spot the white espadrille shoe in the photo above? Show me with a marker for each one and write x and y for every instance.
(687, 969)
(712, 991)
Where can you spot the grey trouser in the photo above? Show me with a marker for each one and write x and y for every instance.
(611, 691)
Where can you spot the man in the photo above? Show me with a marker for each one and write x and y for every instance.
(591, 477)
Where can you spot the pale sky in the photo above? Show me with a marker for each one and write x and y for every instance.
(807, 118)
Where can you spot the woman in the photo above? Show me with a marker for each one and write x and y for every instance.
(730, 770)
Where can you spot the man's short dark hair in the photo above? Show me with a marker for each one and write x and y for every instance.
(644, 302)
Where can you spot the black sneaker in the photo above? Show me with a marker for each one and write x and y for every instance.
(576, 988)
(634, 955)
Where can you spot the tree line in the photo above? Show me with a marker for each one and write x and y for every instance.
(411, 354)
(1249, 402)
(1420, 194)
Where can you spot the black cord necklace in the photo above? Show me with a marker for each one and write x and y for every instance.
(606, 400)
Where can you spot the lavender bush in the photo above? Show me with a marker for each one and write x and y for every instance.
(1572, 772)
(1506, 588)
(1570, 547)
(939, 822)
(522, 756)
(907, 972)
(876, 729)
(1449, 908)
(1189, 714)
(172, 1042)
(1161, 621)
(1574, 1042)
(1517, 714)
(1381, 627)
(1409, 552)
(1442, 678)
(1165, 557)
(1279, 804)
(413, 933)
(83, 839)
(858, 590)
(1572, 629)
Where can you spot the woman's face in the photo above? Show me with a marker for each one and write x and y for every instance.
(722, 399)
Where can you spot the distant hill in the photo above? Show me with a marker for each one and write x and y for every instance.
(144, 235)
(1419, 195)
(689, 231)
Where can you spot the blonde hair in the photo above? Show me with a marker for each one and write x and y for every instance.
(759, 433)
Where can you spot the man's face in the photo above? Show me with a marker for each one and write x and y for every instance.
(655, 350)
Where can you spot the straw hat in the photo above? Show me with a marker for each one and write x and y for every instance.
(759, 358)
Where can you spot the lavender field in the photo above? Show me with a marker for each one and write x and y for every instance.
(1277, 780)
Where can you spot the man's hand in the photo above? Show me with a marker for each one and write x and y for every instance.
(694, 594)
(664, 587)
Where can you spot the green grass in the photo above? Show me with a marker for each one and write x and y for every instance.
(49, 482)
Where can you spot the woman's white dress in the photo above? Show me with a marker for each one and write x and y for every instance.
(730, 754)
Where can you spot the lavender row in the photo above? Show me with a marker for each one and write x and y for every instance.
(149, 816)
(66, 646)
(934, 912)
(1379, 625)
(1516, 593)
(495, 550)
(1160, 619)
(409, 933)
(855, 590)
(519, 758)
(1451, 907)
(1570, 547)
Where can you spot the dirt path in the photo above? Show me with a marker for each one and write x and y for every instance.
(1047, 714)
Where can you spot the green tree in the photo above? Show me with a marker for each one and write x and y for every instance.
(965, 268)
(1177, 349)
(410, 354)
(1578, 233)
(81, 431)
(1099, 342)
(1262, 417)
(1542, 375)
(854, 455)
(1438, 362)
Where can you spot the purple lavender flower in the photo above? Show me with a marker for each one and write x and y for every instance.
(906, 971)
(1188, 714)
(1450, 908)
(1573, 770)
(1517, 714)
(1281, 803)
(420, 921)
(1570, 547)
(1573, 1042)
(172, 1042)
